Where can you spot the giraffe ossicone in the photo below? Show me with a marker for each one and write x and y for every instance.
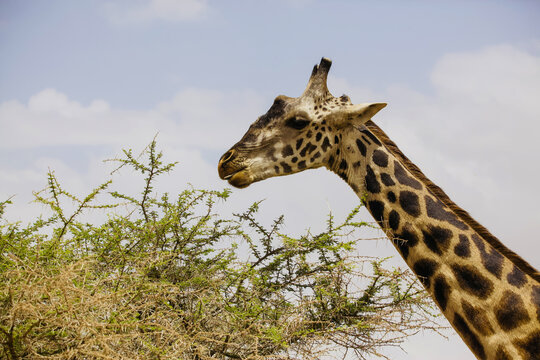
(489, 294)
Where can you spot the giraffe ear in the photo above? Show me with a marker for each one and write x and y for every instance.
(357, 114)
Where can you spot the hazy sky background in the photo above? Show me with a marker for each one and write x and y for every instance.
(80, 80)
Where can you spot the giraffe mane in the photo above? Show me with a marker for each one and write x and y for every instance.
(462, 214)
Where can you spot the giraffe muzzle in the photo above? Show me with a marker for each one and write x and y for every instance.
(233, 170)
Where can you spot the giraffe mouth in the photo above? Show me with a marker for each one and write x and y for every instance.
(239, 179)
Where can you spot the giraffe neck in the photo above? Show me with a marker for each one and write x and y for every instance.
(489, 295)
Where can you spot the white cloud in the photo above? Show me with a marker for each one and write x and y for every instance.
(193, 117)
(501, 76)
(50, 118)
(137, 12)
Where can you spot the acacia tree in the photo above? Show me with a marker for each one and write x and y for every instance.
(172, 279)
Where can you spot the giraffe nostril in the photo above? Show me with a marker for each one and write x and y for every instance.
(226, 168)
(227, 156)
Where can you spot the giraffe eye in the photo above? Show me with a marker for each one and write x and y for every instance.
(296, 123)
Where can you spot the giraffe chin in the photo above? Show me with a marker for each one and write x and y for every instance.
(240, 180)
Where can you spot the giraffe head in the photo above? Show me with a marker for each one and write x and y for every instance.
(295, 134)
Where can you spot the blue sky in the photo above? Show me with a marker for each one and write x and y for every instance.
(80, 80)
(75, 47)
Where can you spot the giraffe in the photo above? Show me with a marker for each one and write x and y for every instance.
(489, 294)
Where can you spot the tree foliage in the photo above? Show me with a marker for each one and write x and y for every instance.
(172, 279)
